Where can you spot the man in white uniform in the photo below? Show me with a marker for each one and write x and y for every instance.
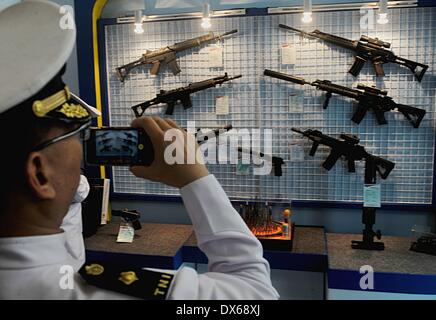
(41, 124)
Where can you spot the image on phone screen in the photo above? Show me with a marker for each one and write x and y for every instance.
(116, 143)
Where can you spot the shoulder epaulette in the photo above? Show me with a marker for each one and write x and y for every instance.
(136, 282)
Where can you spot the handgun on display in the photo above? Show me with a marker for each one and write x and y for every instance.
(130, 216)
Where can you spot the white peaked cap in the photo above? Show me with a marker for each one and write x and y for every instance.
(35, 43)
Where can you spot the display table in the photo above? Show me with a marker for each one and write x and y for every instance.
(397, 270)
(169, 245)
(155, 245)
(308, 252)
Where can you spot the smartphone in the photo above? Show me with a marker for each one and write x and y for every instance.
(119, 146)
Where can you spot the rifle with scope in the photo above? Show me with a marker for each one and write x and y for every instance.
(366, 49)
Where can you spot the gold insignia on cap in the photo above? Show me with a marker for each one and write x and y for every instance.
(73, 111)
(128, 277)
(94, 269)
(42, 107)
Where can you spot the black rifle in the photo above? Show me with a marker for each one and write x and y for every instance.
(171, 97)
(349, 148)
(167, 55)
(367, 97)
(372, 49)
(131, 216)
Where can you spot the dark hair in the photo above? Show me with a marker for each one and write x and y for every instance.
(20, 132)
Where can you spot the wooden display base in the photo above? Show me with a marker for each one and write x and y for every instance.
(278, 242)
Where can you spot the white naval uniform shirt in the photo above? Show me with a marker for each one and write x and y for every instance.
(30, 266)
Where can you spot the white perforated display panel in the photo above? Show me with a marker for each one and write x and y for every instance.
(257, 101)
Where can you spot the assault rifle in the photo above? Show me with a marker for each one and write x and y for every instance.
(167, 55)
(171, 97)
(349, 148)
(372, 49)
(367, 97)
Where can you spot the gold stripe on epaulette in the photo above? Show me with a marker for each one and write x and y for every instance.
(42, 107)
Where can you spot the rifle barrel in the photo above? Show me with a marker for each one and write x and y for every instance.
(228, 33)
(235, 77)
(283, 26)
(283, 76)
(297, 130)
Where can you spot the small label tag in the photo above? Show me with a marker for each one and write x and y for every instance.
(126, 233)
(295, 101)
(215, 57)
(288, 54)
(296, 153)
(242, 168)
(371, 196)
(222, 105)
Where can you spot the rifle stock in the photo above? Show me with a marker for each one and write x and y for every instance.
(383, 166)
(414, 115)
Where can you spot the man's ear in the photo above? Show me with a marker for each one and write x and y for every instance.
(38, 174)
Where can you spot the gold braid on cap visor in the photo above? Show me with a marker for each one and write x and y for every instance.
(42, 107)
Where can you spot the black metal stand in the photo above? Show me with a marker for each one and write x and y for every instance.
(368, 216)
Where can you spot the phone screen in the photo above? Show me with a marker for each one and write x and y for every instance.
(116, 143)
(119, 146)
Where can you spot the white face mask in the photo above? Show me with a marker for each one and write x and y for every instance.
(82, 190)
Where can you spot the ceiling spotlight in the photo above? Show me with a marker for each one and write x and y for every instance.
(383, 12)
(139, 29)
(205, 21)
(307, 11)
